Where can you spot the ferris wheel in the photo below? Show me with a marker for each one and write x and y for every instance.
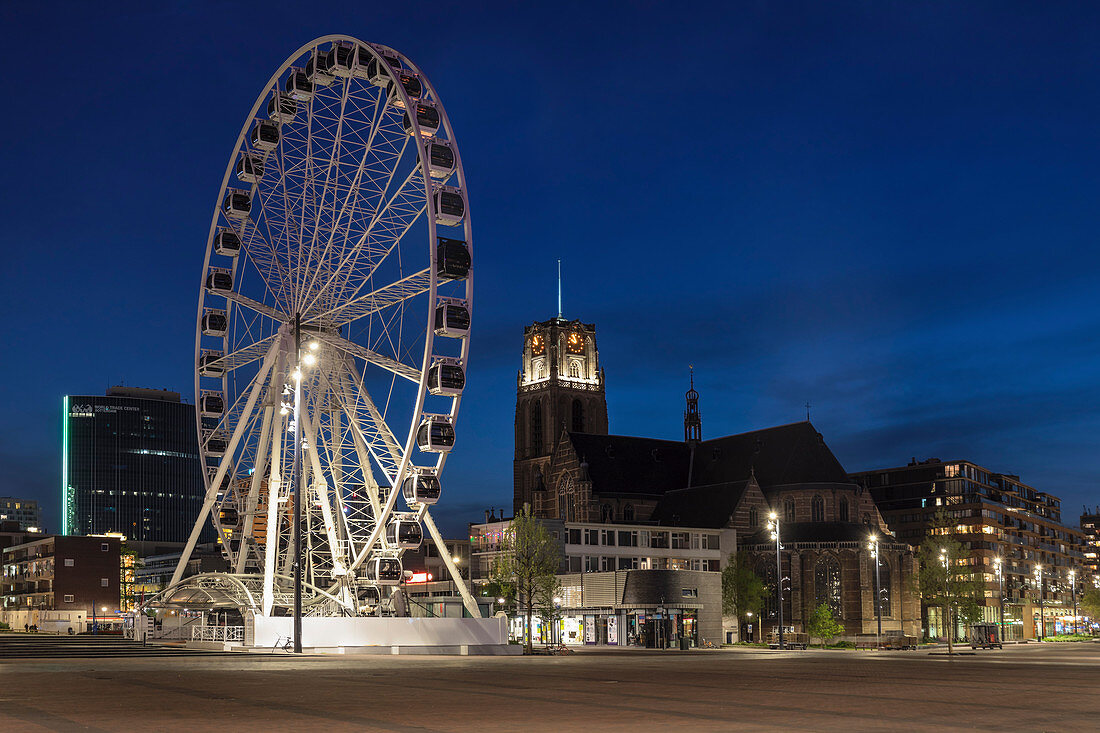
(332, 336)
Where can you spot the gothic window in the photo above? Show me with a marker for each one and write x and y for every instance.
(827, 583)
(884, 586)
(788, 510)
(606, 513)
(628, 513)
(538, 371)
(766, 572)
(817, 509)
(842, 510)
(536, 426)
(578, 416)
(754, 518)
(561, 502)
(575, 369)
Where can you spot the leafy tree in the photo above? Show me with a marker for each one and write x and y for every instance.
(953, 587)
(823, 624)
(742, 589)
(1090, 603)
(526, 566)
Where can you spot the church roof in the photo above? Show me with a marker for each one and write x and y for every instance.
(628, 465)
(787, 454)
(700, 506)
(779, 456)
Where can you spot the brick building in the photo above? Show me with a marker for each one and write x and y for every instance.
(60, 582)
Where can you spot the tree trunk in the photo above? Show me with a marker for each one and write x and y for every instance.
(530, 631)
(948, 627)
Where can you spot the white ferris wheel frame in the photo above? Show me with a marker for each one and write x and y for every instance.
(273, 361)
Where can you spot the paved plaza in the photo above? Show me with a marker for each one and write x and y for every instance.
(1031, 688)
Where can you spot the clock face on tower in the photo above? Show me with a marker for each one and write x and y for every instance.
(575, 343)
(538, 345)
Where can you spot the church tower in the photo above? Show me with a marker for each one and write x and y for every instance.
(560, 386)
(693, 422)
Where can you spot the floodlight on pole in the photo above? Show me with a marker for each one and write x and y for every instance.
(873, 547)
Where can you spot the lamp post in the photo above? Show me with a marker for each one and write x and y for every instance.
(1073, 592)
(946, 599)
(1001, 584)
(773, 525)
(749, 614)
(873, 547)
(1039, 585)
(306, 360)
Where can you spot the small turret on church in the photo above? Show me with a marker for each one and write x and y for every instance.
(693, 422)
(560, 386)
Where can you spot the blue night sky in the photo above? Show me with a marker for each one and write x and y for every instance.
(886, 209)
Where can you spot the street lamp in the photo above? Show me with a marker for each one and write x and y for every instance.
(773, 525)
(1073, 592)
(873, 547)
(749, 614)
(307, 359)
(1042, 617)
(946, 600)
(1001, 583)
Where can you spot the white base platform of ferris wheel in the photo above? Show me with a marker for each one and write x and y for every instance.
(371, 635)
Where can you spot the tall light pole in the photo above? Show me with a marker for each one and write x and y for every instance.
(300, 361)
(1042, 617)
(873, 547)
(1001, 583)
(773, 525)
(1073, 592)
(946, 599)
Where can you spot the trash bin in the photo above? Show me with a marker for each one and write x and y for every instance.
(684, 643)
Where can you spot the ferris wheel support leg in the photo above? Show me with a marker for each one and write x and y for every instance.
(254, 489)
(322, 491)
(223, 466)
(361, 449)
(456, 577)
(274, 494)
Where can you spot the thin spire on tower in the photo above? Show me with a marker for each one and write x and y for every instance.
(559, 288)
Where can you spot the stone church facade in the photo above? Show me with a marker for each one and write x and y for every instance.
(583, 474)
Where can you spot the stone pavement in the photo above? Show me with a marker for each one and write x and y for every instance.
(1050, 687)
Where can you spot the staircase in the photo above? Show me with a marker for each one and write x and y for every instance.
(49, 646)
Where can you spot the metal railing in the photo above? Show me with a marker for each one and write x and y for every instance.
(217, 633)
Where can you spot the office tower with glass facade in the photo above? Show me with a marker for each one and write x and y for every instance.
(130, 464)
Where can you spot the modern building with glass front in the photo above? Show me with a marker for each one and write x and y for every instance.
(130, 464)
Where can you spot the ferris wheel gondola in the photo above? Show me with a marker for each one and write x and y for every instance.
(334, 318)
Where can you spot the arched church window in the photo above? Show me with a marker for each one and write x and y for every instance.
(575, 369)
(827, 583)
(578, 416)
(842, 510)
(606, 513)
(884, 586)
(788, 510)
(817, 509)
(538, 371)
(628, 513)
(536, 425)
(754, 517)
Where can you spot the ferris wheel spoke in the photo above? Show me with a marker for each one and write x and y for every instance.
(377, 300)
(321, 208)
(256, 306)
(353, 196)
(410, 373)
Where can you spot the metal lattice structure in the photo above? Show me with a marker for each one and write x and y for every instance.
(334, 319)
